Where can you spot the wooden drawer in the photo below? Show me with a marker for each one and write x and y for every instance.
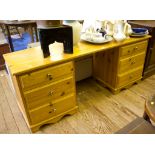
(129, 50)
(124, 79)
(45, 76)
(50, 110)
(53, 91)
(132, 62)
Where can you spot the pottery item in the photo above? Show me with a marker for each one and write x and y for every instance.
(127, 29)
(108, 27)
(119, 30)
(76, 27)
(139, 30)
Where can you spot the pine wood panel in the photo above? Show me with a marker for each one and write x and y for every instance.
(105, 66)
(99, 110)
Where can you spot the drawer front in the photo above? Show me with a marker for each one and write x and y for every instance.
(50, 110)
(130, 63)
(46, 76)
(124, 79)
(126, 51)
(52, 92)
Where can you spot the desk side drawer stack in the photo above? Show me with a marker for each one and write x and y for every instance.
(122, 66)
(47, 94)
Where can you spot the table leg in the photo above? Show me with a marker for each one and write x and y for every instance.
(30, 31)
(146, 117)
(9, 38)
(36, 34)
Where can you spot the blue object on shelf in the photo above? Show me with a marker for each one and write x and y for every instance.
(22, 43)
(139, 30)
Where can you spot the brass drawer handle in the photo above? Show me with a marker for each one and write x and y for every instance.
(62, 94)
(50, 104)
(53, 110)
(51, 92)
(133, 62)
(68, 82)
(136, 48)
(130, 59)
(49, 76)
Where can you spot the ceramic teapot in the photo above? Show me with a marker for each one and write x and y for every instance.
(108, 26)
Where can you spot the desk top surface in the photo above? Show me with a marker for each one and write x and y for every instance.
(31, 59)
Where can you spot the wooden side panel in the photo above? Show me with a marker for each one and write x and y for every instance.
(20, 98)
(105, 66)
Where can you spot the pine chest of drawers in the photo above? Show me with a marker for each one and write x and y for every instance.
(46, 94)
(120, 67)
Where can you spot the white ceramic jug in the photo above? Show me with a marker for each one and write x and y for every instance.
(77, 28)
(119, 30)
(127, 29)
